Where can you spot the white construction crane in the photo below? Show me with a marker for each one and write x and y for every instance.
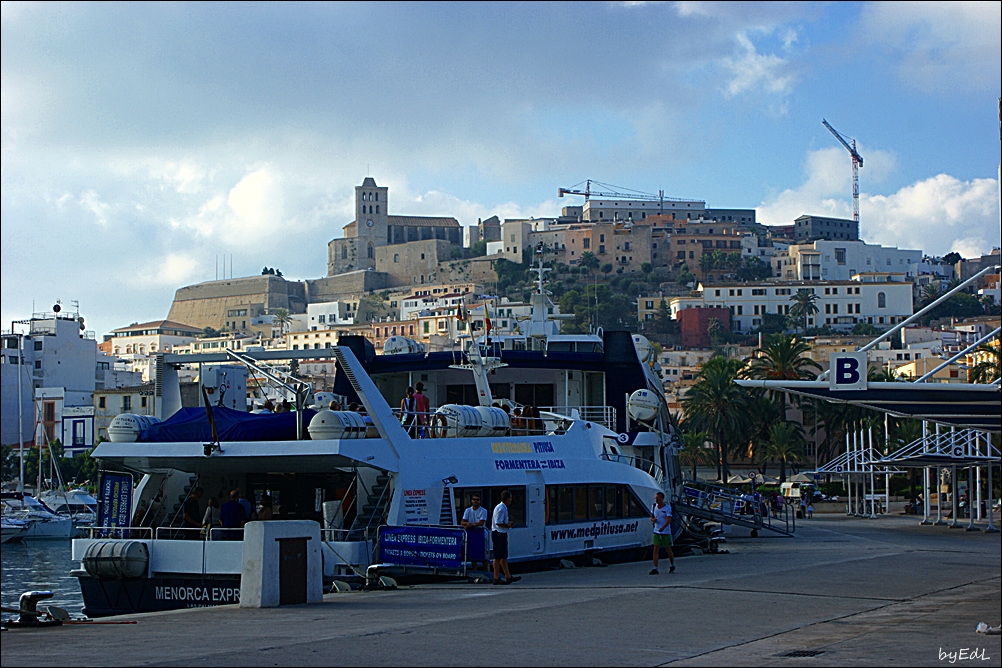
(857, 162)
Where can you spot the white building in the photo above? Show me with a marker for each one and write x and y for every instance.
(841, 304)
(59, 356)
(841, 260)
(322, 315)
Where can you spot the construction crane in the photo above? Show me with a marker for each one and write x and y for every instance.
(616, 192)
(857, 162)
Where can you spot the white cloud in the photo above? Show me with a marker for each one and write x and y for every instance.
(90, 201)
(249, 212)
(952, 44)
(936, 215)
(173, 271)
(751, 71)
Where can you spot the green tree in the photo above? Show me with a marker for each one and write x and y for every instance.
(647, 268)
(805, 305)
(694, 452)
(588, 261)
(716, 332)
(715, 404)
(282, 319)
(607, 268)
(951, 258)
(786, 445)
(706, 263)
(864, 329)
(479, 248)
(782, 357)
(662, 322)
(763, 413)
(456, 253)
(209, 332)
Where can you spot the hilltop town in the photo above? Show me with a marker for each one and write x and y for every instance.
(696, 280)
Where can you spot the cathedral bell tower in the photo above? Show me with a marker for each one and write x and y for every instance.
(371, 221)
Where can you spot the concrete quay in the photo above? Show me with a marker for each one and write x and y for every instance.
(857, 592)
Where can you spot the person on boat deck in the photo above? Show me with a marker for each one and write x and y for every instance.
(335, 406)
(516, 421)
(192, 513)
(285, 406)
(266, 512)
(232, 516)
(408, 413)
(268, 406)
(247, 505)
(475, 518)
(211, 518)
(499, 539)
(423, 405)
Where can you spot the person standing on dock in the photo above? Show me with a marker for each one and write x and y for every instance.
(499, 538)
(475, 520)
(661, 519)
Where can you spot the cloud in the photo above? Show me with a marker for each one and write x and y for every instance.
(251, 211)
(937, 214)
(939, 45)
(752, 71)
(174, 270)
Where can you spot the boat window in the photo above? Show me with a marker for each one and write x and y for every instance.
(534, 394)
(489, 498)
(596, 503)
(579, 503)
(560, 346)
(565, 504)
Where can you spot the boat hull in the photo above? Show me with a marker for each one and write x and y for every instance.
(104, 597)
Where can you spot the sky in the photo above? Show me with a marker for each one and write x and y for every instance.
(141, 143)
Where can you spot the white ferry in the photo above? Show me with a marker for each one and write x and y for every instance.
(581, 487)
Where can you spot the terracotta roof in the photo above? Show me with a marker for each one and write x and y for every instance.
(423, 221)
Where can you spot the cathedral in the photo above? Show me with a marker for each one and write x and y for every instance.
(374, 228)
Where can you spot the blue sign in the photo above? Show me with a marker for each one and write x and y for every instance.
(115, 503)
(432, 547)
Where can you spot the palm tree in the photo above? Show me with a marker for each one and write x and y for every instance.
(588, 261)
(764, 413)
(694, 452)
(786, 445)
(881, 375)
(283, 319)
(782, 358)
(905, 432)
(986, 369)
(930, 293)
(715, 404)
(805, 305)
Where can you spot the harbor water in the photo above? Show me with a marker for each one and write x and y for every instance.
(39, 565)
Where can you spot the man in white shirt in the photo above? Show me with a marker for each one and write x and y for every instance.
(475, 519)
(661, 519)
(499, 538)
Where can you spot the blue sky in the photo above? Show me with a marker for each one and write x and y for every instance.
(140, 141)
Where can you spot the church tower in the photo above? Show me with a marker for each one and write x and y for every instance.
(371, 221)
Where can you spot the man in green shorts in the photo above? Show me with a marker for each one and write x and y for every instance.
(661, 519)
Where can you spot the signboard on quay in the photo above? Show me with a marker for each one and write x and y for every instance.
(429, 547)
(115, 503)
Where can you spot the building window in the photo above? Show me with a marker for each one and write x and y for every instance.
(370, 252)
(881, 300)
(102, 402)
(344, 252)
(126, 403)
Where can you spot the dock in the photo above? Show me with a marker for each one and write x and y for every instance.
(844, 591)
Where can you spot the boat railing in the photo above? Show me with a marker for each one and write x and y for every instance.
(119, 532)
(645, 465)
(431, 424)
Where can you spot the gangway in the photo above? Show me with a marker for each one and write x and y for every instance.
(730, 506)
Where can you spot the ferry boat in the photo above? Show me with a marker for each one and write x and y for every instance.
(583, 478)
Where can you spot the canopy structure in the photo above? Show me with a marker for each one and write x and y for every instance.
(857, 462)
(961, 405)
(954, 448)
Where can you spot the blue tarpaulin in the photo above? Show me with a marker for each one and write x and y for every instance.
(190, 425)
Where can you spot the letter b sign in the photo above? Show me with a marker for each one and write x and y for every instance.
(847, 371)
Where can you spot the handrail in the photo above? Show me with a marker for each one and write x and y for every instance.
(141, 530)
(649, 467)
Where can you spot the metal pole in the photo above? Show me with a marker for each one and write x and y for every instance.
(939, 488)
(887, 476)
(925, 481)
(970, 500)
(873, 495)
(953, 497)
(848, 467)
(920, 313)
(991, 516)
(20, 409)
